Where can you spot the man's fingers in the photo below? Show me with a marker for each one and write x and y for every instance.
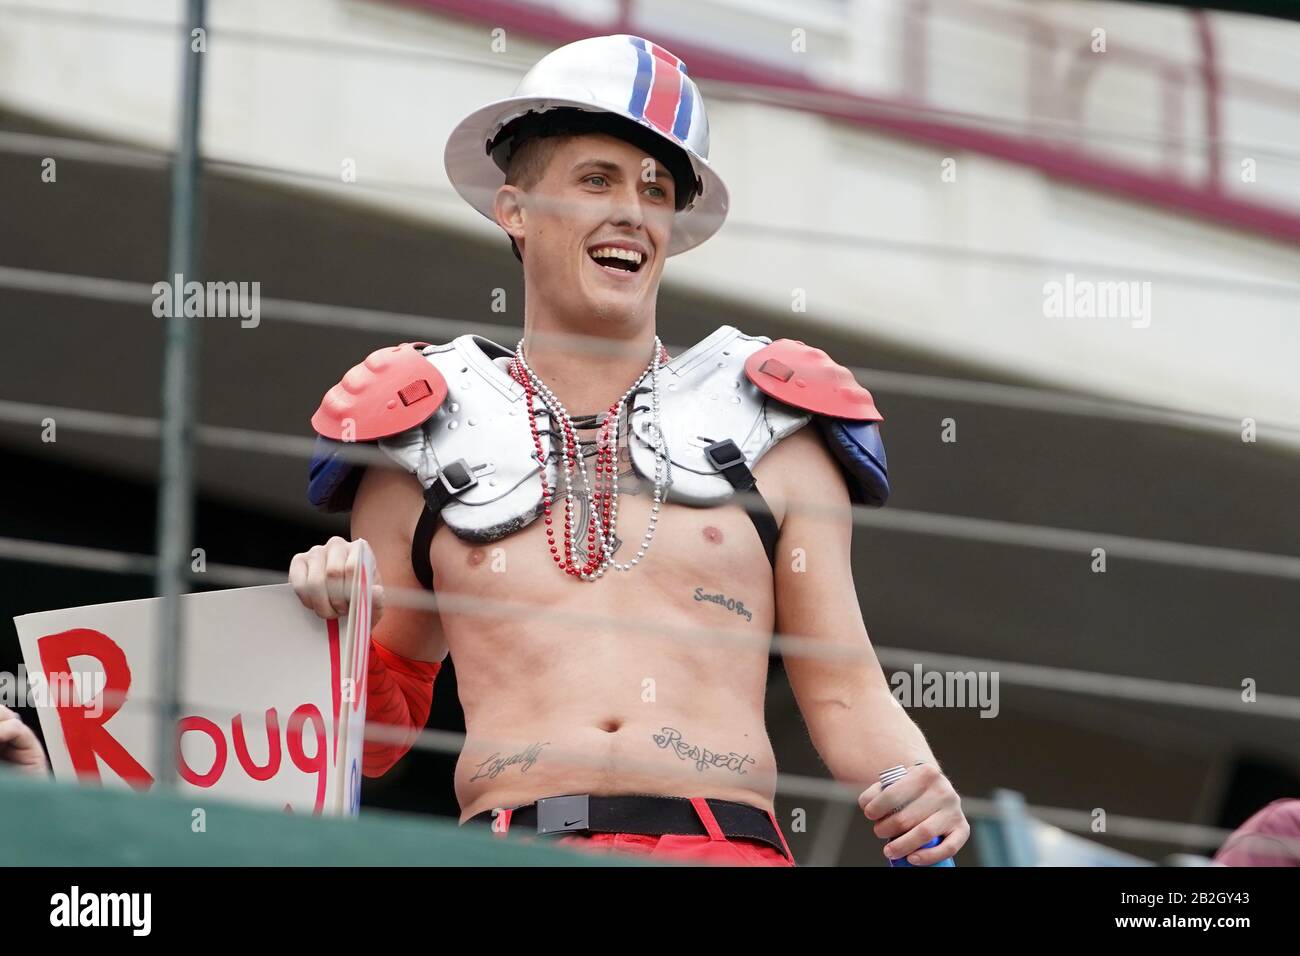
(920, 777)
(951, 843)
(916, 812)
(337, 580)
(867, 795)
(376, 604)
(323, 576)
(19, 746)
(895, 795)
(317, 593)
(936, 825)
(298, 578)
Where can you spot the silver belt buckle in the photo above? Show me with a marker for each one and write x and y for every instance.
(557, 814)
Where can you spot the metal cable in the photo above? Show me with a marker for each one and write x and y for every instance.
(1090, 683)
(425, 328)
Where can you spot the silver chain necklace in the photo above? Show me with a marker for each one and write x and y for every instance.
(608, 542)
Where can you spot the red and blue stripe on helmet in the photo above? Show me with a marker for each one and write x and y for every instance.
(660, 94)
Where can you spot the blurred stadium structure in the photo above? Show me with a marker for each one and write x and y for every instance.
(1170, 158)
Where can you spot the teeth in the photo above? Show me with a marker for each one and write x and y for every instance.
(613, 252)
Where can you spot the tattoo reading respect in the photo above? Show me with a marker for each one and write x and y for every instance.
(671, 739)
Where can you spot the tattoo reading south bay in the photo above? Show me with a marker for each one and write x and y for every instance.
(671, 739)
(496, 763)
(731, 604)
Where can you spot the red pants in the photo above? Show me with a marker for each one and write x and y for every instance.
(712, 847)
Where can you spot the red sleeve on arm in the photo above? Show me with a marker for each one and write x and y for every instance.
(399, 694)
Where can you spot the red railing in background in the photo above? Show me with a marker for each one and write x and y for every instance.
(908, 115)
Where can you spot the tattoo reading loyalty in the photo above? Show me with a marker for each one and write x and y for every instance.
(671, 739)
(731, 604)
(496, 763)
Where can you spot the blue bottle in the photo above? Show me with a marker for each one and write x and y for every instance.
(893, 775)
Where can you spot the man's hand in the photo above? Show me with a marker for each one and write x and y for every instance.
(322, 578)
(930, 808)
(19, 746)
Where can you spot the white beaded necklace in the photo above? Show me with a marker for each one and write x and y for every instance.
(609, 433)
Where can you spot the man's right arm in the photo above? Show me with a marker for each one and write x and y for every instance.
(407, 642)
(387, 506)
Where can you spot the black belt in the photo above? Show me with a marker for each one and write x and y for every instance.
(640, 813)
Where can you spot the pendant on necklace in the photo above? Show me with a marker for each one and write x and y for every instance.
(580, 539)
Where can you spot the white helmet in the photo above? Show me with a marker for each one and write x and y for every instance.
(622, 85)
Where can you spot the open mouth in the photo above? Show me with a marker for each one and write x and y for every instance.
(616, 259)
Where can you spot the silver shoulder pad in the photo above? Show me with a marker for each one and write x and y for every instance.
(705, 394)
(706, 397)
(484, 423)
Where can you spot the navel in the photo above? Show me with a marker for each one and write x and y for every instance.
(712, 534)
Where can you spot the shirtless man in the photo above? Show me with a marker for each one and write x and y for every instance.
(580, 718)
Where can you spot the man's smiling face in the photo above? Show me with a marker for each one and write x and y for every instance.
(592, 216)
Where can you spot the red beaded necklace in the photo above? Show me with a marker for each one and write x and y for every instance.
(606, 466)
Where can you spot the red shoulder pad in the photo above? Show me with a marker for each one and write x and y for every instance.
(808, 378)
(394, 389)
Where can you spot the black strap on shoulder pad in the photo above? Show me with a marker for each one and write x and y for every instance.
(451, 481)
(726, 456)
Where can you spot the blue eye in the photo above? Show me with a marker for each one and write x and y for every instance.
(595, 176)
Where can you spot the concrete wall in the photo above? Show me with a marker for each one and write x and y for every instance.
(300, 87)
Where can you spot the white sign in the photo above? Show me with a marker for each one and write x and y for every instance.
(273, 699)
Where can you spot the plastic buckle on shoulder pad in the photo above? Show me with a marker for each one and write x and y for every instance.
(457, 476)
(724, 454)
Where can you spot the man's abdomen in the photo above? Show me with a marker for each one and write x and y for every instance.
(659, 752)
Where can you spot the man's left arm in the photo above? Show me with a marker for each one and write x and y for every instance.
(855, 723)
